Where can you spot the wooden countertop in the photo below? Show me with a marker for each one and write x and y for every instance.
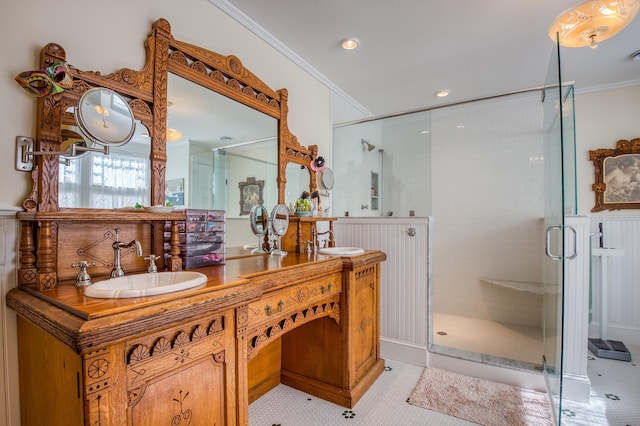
(84, 322)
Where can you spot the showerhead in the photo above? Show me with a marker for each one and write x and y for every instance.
(370, 147)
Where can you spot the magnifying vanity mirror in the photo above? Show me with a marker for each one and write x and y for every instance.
(259, 219)
(100, 120)
(279, 225)
(326, 179)
(104, 117)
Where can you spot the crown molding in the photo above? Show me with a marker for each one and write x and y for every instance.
(604, 87)
(268, 38)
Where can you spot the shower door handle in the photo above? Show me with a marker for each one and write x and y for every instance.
(547, 244)
(575, 242)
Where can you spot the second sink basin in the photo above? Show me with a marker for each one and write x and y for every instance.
(341, 251)
(145, 284)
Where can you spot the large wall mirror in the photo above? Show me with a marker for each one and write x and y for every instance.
(204, 125)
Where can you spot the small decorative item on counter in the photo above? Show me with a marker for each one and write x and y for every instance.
(303, 205)
(202, 238)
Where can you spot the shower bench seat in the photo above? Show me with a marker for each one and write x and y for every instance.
(526, 286)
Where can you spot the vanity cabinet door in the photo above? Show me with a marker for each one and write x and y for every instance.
(364, 323)
(183, 375)
(50, 391)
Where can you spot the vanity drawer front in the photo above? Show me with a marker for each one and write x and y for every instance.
(299, 296)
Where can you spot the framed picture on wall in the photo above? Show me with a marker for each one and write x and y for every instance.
(617, 176)
(174, 191)
(250, 194)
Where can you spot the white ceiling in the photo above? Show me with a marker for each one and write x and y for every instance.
(410, 49)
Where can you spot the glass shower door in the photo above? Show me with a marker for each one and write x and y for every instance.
(559, 190)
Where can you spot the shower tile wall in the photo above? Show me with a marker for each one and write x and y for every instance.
(400, 159)
(487, 201)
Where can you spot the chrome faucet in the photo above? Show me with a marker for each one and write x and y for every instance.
(117, 246)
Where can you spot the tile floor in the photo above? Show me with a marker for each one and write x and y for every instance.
(617, 384)
(615, 401)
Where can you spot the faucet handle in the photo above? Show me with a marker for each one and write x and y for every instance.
(152, 263)
(83, 278)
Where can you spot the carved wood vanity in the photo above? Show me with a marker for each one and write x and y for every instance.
(188, 355)
(197, 356)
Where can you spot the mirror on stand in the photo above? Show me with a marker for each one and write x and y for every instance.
(259, 218)
(279, 225)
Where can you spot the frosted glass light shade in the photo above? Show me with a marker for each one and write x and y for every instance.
(592, 21)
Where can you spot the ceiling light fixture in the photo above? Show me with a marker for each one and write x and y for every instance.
(442, 93)
(174, 135)
(592, 21)
(350, 43)
(635, 56)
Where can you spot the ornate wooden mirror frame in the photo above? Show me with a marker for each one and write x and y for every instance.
(147, 90)
(617, 176)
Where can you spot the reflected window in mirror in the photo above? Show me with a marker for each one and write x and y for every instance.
(118, 180)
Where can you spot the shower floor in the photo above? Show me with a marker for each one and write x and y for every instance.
(515, 342)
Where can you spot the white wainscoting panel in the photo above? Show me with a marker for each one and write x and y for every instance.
(9, 386)
(576, 385)
(405, 276)
(623, 285)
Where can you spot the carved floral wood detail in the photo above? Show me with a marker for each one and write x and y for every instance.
(365, 272)
(164, 344)
(273, 329)
(161, 353)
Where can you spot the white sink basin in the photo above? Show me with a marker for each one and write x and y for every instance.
(145, 284)
(341, 251)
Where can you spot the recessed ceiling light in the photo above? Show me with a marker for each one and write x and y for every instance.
(635, 56)
(350, 43)
(442, 93)
(425, 132)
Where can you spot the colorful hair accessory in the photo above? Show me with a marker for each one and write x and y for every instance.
(47, 81)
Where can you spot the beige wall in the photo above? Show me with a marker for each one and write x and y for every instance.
(603, 118)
